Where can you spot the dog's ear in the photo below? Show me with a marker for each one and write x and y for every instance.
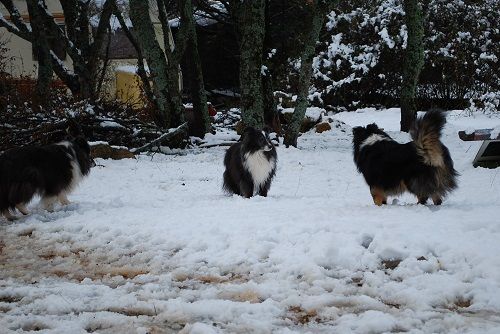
(248, 130)
(81, 142)
(357, 130)
(245, 133)
(74, 129)
(372, 127)
(267, 129)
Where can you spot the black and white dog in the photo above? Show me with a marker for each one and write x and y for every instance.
(50, 171)
(422, 167)
(250, 164)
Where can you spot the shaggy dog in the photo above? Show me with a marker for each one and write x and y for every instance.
(423, 166)
(50, 171)
(250, 164)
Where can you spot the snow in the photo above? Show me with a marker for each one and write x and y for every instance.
(111, 124)
(151, 245)
(313, 113)
(132, 69)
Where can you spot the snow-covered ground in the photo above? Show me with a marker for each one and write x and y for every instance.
(153, 246)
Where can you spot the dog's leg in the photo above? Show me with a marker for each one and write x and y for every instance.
(246, 189)
(63, 199)
(48, 203)
(422, 199)
(22, 208)
(8, 215)
(379, 196)
(265, 188)
(437, 199)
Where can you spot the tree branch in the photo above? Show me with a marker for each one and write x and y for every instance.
(167, 135)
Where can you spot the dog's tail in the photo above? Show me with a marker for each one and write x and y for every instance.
(426, 133)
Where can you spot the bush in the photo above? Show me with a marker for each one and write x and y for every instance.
(360, 57)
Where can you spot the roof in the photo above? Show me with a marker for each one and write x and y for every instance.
(120, 47)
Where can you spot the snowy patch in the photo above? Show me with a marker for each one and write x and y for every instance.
(111, 124)
(152, 245)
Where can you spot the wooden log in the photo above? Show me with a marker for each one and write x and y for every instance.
(106, 151)
(480, 134)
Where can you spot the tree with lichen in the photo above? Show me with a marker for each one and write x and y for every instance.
(249, 16)
(318, 9)
(201, 122)
(164, 64)
(413, 62)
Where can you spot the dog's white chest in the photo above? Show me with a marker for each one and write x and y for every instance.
(259, 167)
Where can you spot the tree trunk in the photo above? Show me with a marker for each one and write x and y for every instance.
(173, 52)
(145, 35)
(252, 29)
(201, 122)
(271, 115)
(313, 29)
(42, 51)
(412, 63)
(141, 69)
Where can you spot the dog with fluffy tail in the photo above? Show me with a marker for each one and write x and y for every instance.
(50, 171)
(250, 164)
(422, 167)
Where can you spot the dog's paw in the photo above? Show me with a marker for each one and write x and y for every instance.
(22, 208)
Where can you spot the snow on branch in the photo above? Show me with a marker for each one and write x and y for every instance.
(165, 136)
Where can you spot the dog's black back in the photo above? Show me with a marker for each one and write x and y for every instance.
(250, 164)
(424, 166)
(41, 170)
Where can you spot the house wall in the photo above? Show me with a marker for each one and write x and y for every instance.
(19, 53)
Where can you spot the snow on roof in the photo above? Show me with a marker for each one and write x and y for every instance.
(129, 68)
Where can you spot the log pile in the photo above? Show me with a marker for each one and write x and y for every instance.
(113, 124)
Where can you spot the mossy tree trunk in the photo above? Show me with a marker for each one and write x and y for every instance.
(146, 37)
(319, 10)
(173, 53)
(271, 115)
(41, 49)
(251, 17)
(413, 62)
(201, 124)
(141, 66)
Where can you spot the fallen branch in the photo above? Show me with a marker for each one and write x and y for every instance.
(167, 135)
(229, 143)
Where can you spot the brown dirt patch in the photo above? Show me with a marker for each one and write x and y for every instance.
(301, 316)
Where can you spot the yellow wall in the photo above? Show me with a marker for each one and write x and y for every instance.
(128, 88)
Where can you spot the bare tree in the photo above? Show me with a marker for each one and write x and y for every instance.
(85, 52)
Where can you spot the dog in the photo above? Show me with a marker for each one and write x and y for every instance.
(422, 167)
(250, 164)
(50, 171)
